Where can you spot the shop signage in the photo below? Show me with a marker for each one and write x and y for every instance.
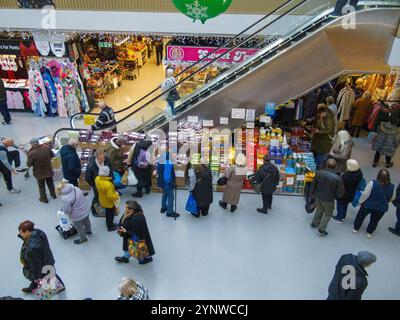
(224, 120)
(208, 123)
(250, 125)
(238, 113)
(105, 45)
(187, 53)
(193, 119)
(9, 47)
(250, 115)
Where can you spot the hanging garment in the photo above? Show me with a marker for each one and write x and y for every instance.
(28, 51)
(50, 90)
(345, 101)
(35, 82)
(82, 94)
(71, 100)
(61, 108)
(15, 100)
(310, 105)
(27, 100)
(39, 107)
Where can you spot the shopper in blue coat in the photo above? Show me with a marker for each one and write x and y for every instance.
(375, 202)
(167, 182)
(71, 164)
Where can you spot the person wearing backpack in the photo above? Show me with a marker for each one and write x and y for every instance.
(396, 203)
(374, 201)
(141, 167)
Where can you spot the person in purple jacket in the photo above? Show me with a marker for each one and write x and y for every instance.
(77, 208)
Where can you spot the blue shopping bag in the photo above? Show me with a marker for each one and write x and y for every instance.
(360, 188)
(117, 181)
(191, 205)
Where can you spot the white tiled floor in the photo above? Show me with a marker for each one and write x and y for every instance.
(243, 255)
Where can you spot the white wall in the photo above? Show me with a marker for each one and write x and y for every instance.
(141, 22)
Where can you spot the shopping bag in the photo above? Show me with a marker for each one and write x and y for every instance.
(124, 179)
(372, 137)
(48, 288)
(222, 181)
(132, 180)
(137, 248)
(191, 204)
(118, 181)
(360, 188)
(65, 221)
(311, 203)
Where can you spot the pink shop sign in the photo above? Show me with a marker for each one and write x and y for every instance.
(183, 53)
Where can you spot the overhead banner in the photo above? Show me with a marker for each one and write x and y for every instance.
(193, 54)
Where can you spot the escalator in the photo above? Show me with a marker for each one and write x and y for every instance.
(313, 47)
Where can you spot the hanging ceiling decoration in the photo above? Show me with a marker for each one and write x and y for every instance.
(202, 9)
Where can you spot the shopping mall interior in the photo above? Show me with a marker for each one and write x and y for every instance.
(288, 84)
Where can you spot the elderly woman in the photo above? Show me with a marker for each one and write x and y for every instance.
(132, 290)
(235, 175)
(361, 109)
(201, 186)
(77, 208)
(133, 223)
(341, 150)
(388, 139)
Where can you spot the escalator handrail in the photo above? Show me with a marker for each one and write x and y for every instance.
(212, 61)
(201, 60)
(75, 129)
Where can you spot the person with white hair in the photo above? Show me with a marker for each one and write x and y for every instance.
(351, 179)
(71, 164)
(172, 95)
(106, 119)
(108, 196)
(235, 176)
(341, 150)
(132, 290)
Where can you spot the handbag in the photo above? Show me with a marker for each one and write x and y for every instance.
(132, 180)
(174, 95)
(47, 290)
(191, 204)
(222, 181)
(118, 181)
(258, 186)
(311, 203)
(137, 248)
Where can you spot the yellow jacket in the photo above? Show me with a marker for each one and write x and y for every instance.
(106, 190)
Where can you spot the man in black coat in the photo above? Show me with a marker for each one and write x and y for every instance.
(92, 171)
(133, 223)
(3, 104)
(35, 254)
(71, 164)
(350, 279)
(268, 175)
(142, 171)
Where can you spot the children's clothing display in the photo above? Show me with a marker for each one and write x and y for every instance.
(55, 87)
(15, 100)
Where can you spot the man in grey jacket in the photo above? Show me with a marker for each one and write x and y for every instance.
(327, 187)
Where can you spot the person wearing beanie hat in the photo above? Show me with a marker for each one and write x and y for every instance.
(116, 153)
(108, 196)
(352, 179)
(350, 279)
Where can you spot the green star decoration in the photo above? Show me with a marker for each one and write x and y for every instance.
(202, 9)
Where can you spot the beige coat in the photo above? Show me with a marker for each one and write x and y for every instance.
(234, 185)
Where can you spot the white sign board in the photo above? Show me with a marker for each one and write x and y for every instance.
(224, 120)
(266, 119)
(238, 113)
(250, 115)
(208, 123)
(250, 125)
(193, 119)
